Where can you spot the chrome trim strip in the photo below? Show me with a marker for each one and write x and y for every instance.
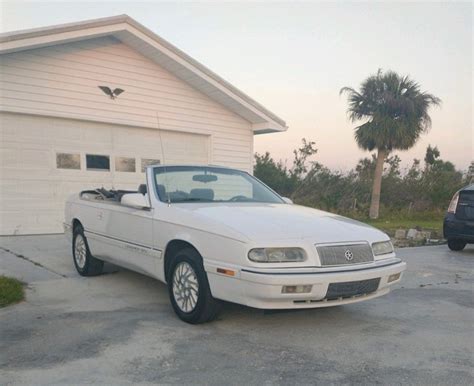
(324, 271)
(123, 241)
(340, 243)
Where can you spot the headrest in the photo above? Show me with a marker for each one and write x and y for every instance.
(202, 194)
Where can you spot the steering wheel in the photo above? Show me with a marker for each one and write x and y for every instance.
(239, 198)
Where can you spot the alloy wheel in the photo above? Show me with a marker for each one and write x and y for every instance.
(80, 251)
(185, 287)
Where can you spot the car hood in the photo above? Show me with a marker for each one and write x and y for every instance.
(260, 222)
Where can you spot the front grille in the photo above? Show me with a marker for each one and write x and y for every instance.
(344, 254)
(352, 288)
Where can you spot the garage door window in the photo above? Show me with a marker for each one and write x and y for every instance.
(97, 162)
(124, 164)
(149, 161)
(68, 161)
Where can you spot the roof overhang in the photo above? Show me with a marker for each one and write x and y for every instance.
(157, 49)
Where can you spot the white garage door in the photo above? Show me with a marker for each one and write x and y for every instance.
(43, 160)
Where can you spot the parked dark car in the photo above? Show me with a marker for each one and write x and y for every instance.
(458, 224)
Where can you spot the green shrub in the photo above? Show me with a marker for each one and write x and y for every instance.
(413, 191)
(11, 291)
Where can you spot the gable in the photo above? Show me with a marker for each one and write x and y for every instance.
(63, 80)
(150, 45)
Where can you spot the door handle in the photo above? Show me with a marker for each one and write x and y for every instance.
(100, 215)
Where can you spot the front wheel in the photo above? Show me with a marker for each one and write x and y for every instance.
(456, 244)
(189, 290)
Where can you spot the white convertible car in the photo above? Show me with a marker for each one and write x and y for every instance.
(214, 233)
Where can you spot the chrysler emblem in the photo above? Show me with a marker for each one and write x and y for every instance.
(348, 255)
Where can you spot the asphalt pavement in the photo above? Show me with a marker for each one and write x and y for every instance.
(119, 328)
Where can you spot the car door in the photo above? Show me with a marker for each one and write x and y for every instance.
(130, 239)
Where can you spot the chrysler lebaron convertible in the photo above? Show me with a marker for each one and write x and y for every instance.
(214, 233)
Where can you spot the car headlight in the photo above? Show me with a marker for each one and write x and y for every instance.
(277, 255)
(382, 248)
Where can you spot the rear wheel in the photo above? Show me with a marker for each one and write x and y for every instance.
(189, 290)
(85, 263)
(456, 244)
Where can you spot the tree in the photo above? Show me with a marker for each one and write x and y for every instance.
(274, 174)
(432, 154)
(300, 164)
(395, 114)
(470, 173)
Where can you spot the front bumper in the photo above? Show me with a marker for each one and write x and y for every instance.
(263, 288)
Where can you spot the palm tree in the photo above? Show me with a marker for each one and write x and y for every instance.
(395, 114)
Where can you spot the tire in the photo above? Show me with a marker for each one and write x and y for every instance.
(456, 244)
(85, 263)
(189, 290)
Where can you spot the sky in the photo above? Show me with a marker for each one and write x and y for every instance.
(293, 57)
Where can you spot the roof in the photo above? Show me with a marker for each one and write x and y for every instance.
(145, 41)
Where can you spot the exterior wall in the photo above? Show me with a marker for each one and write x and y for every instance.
(33, 190)
(63, 80)
(50, 103)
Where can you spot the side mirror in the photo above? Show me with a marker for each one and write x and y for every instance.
(287, 200)
(135, 200)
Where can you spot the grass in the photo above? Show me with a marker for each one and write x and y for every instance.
(389, 223)
(11, 291)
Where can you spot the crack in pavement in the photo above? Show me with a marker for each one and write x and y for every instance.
(20, 256)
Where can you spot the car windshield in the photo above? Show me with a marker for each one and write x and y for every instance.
(210, 184)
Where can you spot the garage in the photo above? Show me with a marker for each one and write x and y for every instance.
(90, 104)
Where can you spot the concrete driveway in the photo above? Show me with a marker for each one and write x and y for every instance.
(119, 328)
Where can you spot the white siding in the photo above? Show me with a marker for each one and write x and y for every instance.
(33, 190)
(62, 81)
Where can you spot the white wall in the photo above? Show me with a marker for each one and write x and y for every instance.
(62, 81)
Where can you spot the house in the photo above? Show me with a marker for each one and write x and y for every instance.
(90, 104)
